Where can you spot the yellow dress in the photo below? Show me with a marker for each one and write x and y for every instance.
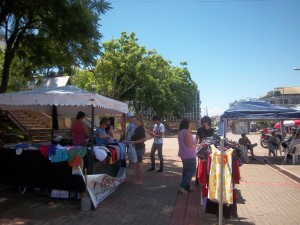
(214, 176)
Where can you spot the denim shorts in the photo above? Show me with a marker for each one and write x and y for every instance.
(140, 153)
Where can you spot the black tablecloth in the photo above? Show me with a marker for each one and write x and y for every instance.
(31, 169)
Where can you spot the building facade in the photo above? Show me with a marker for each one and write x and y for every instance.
(283, 96)
(195, 114)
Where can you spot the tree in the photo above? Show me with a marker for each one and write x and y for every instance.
(144, 79)
(20, 74)
(55, 33)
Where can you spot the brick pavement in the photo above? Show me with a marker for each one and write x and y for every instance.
(266, 197)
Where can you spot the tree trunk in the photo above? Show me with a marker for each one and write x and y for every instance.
(9, 55)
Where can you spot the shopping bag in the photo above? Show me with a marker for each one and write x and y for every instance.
(132, 157)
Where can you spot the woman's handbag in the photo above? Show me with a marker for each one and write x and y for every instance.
(132, 157)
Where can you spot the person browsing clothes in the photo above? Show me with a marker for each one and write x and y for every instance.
(79, 130)
(205, 131)
(138, 138)
(101, 136)
(187, 152)
(110, 130)
(130, 127)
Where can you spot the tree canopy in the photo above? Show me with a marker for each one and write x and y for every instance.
(129, 72)
(50, 33)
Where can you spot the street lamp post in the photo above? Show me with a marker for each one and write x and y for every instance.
(282, 94)
(296, 69)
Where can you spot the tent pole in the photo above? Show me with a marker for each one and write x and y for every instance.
(282, 131)
(91, 155)
(225, 127)
(221, 181)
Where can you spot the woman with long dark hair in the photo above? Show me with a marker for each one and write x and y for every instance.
(187, 153)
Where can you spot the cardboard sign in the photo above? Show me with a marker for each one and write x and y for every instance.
(100, 186)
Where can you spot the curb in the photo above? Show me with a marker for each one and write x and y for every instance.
(281, 170)
(285, 172)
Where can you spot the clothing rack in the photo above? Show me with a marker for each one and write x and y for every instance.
(205, 150)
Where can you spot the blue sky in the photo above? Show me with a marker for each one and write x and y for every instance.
(235, 49)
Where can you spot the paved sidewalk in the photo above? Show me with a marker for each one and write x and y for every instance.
(266, 197)
(277, 163)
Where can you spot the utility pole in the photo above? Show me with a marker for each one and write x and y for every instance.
(282, 94)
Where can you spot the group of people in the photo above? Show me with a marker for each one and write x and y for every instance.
(135, 134)
(188, 145)
(104, 132)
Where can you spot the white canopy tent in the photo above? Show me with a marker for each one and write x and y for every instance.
(68, 100)
(65, 101)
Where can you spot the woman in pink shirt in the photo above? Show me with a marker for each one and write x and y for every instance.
(79, 130)
(187, 153)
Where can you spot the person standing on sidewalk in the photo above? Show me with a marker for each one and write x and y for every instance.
(158, 134)
(204, 132)
(187, 152)
(130, 127)
(138, 138)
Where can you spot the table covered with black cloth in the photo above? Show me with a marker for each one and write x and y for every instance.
(31, 169)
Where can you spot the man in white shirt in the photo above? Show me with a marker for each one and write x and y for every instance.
(157, 134)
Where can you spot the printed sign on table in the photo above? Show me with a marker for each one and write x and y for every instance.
(100, 186)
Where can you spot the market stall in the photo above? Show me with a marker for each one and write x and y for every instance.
(31, 168)
(252, 110)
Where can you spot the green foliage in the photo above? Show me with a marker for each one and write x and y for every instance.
(20, 73)
(128, 72)
(84, 79)
(50, 33)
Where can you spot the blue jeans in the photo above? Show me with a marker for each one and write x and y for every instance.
(157, 147)
(272, 149)
(188, 171)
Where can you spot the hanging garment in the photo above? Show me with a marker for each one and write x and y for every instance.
(214, 176)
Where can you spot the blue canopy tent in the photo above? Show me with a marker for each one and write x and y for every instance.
(255, 110)
(251, 110)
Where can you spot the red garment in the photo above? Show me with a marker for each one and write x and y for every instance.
(44, 150)
(76, 161)
(113, 154)
(202, 176)
(202, 172)
(236, 172)
(235, 194)
(78, 133)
